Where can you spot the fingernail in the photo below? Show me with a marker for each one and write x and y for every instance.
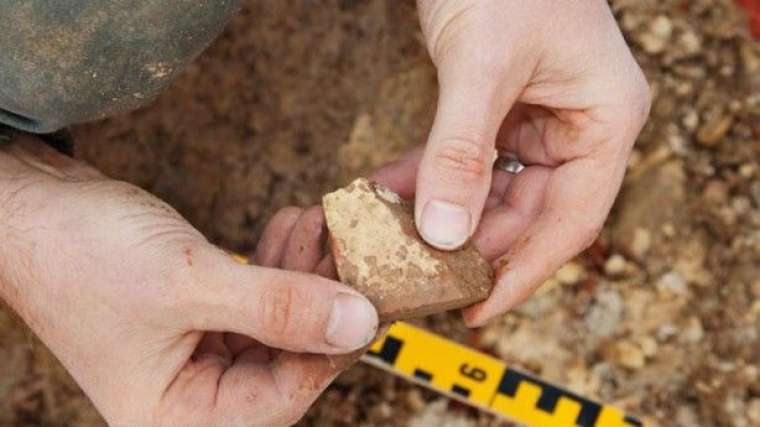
(445, 225)
(352, 323)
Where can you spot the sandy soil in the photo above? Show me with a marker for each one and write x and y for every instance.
(661, 316)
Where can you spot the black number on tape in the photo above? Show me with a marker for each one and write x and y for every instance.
(475, 374)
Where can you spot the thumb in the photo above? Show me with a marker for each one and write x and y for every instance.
(454, 178)
(292, 311)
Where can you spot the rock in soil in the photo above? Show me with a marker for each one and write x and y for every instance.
(378, 252)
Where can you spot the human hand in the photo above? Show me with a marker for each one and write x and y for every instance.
(158, 326)
(295, 239)
(551, 83)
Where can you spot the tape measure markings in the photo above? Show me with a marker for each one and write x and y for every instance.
(550, 397)
(483, 381)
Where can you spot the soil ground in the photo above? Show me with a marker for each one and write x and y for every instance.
(661, 316)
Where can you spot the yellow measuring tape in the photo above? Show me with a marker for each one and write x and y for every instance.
(485, 382)
(482, 381)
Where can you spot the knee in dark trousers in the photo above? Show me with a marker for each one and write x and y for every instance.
(69, 61)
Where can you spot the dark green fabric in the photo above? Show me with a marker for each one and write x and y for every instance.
(68, 61)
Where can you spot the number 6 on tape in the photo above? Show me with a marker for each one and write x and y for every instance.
(486, 382)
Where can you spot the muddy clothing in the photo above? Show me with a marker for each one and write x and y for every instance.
(68, 61)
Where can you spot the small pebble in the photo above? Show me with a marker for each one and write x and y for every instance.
(615, 265)
(715, 192)
(661, 26)
(691, 120)
(603, 319)
(693, 331)
(672, 283)
(642, 241)
(570, 273)
(384, 410)
(668, 230)
(656, 39)
(626, 354)
(747, 170)
(414, 400)
(686, 416)
(712, 132)
(741, 205)
(664, 332)
(690, 42)
(648, 345)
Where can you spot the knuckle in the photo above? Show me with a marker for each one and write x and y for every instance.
(643, 102)
(588, 233)
(314, 223)
(445, 25)
(461, 160)
(287, 213)
(283, 221)
(640, 97)
(277, 310)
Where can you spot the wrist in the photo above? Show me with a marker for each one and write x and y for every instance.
(12, 248)
(20, 185)
(15, 177)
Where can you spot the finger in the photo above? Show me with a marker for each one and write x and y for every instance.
(193, 393)
(454, 175)
(287, 310)
(271, 246)
(401, 175)
(578, 197)
(537, 136)
(237, 343)
(499, 184)
(524, 135)
(257, 353)
(518, 207)
(212, 345)
(326, 268)
(304, 248)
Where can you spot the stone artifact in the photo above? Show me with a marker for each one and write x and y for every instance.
(378, 252)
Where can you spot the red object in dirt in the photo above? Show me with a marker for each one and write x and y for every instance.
(753, 13)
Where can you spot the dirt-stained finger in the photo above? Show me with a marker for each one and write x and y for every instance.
(274, 239)
(304, 249)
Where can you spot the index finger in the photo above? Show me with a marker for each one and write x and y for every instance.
(578, 197)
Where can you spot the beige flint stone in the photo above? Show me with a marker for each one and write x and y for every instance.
(378, 252)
